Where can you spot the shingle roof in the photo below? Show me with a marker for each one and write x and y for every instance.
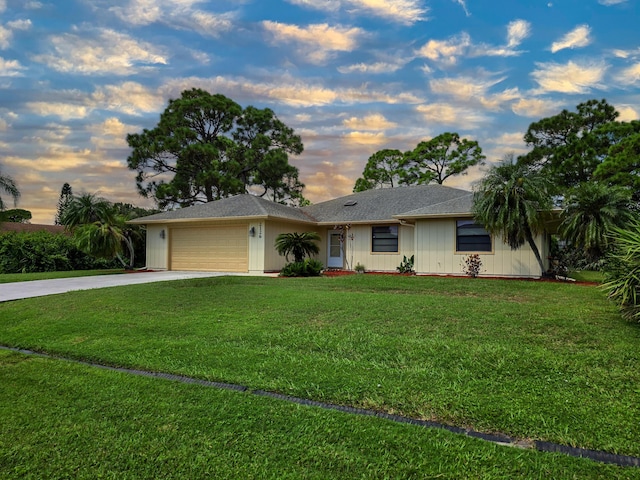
(380, 205)
(383, 204)
(247, 206)
(461, 205)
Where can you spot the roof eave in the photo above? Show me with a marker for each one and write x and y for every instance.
(165, 221)
(141, 221)
(357, 222)
(434, 215)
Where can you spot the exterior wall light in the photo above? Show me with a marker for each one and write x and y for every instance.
(252, 232)
(163, 234)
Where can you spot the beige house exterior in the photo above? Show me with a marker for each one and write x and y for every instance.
(376, 228)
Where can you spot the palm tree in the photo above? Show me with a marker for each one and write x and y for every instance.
(85, 208)
(100, 239)
(513, 201)
(299, 245)
(99, 229)
(8, 185)
(592, 211)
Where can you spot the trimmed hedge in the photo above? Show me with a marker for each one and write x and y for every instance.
(29, 252)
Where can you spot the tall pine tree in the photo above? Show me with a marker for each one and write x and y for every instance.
(65, 197)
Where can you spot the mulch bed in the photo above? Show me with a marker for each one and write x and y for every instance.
(341, 273)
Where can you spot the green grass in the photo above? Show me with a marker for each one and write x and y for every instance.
(26, 277)
(64, 420)
(587, 276)
(535, 360)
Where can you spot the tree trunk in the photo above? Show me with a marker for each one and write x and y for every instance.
(121, 260)
(129, 244)
(534, 247)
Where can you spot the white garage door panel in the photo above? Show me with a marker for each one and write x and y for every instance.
(221, 249)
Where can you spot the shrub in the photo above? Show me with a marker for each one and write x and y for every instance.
(307, 268)
(472, 265)
(28, 252)
(622, 271)
(406, 266)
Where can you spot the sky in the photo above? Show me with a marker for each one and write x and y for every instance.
(351, 77)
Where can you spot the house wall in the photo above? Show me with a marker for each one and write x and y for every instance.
(436, 253)
(272, 260)
(357, 249)
(157, 247)
(263, 256)
(256, 247)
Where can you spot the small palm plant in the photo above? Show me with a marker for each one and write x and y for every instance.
(299, 245)
(622, 272)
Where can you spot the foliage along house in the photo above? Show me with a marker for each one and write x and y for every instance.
(375, 228)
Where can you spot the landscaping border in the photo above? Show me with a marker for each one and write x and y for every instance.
(497, 438)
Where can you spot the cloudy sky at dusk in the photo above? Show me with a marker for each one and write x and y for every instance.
(350, 76)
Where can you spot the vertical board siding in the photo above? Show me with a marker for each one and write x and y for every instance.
(272, 260)
(358, 249)
(157, 253)
(431, 240)
(436, 245)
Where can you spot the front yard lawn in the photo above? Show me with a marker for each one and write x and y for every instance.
(27, 277)
(535, 360)
(64, 420)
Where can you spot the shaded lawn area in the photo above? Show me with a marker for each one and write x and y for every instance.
(587, 276)
(531, 359)
(64, 420)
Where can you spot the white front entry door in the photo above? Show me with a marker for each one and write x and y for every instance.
(335, 252)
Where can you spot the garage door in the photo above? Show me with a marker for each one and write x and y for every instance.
(219, 249)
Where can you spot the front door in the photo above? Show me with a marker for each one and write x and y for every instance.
(335, 254)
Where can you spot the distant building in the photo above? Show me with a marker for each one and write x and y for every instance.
(31, 227)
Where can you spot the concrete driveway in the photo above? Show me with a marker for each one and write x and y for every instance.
(39, 288)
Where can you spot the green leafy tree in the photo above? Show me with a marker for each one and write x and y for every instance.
(622, 164)
(591, 212)
(65, 197)
(569, 146)
(263, 144)
(15, 215)
(439, 158)
(299, 245)
(8, 185)
(132, 211)
(383, 170)
(206, 147)
(513, 201)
